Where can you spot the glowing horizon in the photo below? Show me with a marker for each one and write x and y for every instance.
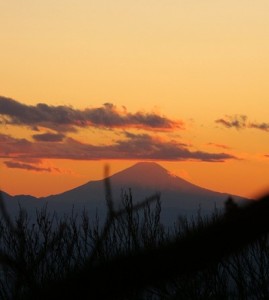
(177, 82)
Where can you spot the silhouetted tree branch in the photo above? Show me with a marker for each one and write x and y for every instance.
(134, 257)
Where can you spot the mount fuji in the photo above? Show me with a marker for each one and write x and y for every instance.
(178, 196)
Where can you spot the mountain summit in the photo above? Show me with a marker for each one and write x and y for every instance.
(152, 175)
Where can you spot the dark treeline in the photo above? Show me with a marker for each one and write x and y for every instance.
(133, 256)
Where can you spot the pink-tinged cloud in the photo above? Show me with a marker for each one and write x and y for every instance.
(67, 119)
(241, 122)
(28, 167)
(133, 146)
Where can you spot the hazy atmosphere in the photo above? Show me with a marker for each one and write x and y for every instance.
(181, 83)
(134, 149)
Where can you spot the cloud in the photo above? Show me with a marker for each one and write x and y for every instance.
(67, 119)
(133, 146)
(241, 122)
(48, 137)
(28, 167)
(261, 126)
(144, 146)
(236, 121)
(10, 145)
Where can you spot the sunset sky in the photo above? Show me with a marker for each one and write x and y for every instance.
(180, 82)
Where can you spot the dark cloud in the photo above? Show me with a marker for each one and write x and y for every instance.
(241, 122)
(24, 166)
(261, 126)
(66, 118)
(133, 146)
(146, 147)
(9, 145)
(48, 137)
(236, 121)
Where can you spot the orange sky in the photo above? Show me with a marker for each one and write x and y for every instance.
(185, 83)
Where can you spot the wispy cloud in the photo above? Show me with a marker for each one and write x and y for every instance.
(24, 166)
(216, 145)
(236, 121)
(132, 146)
(67, 119)
(242, 122)
(262, 126)
(48, 137)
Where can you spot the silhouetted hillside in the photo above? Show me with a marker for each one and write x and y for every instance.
(133, 256)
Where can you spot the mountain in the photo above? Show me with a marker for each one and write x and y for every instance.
(178, 196)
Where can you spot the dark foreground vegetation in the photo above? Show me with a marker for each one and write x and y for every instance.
(132, 255)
